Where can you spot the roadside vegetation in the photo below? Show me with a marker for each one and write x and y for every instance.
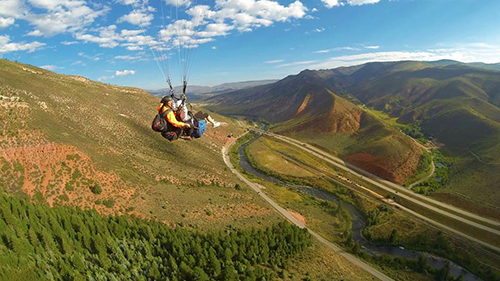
(415, 131)
(423, 169)
(441, 175)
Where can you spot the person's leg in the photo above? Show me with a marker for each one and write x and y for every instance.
(202, 115)
(171, 136)
(210, 119)
(188, 131)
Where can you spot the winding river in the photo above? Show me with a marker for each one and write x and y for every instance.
(358, 224)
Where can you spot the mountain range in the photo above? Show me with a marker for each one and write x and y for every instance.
(453, 103)
(195, 92)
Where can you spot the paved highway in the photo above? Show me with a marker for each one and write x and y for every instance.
(401, 192)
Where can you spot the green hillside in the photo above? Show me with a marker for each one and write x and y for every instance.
(457, 106)
(306, 106)
(66, 140)
(356, 112)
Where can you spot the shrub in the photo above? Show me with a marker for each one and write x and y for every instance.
(96, 189)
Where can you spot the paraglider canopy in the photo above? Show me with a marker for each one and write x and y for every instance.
(176, 39)
(186, 24)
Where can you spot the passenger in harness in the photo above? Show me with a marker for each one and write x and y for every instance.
(185, 115)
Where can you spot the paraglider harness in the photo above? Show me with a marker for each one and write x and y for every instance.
(167, 130)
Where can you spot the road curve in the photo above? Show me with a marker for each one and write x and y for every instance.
(292, 219)
(433, 169)
(393, 189)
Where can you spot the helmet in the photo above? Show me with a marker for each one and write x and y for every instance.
(166, 99)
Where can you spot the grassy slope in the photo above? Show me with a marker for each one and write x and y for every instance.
(50, 118)
(457, 105)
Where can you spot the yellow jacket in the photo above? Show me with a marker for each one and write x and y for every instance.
(170, 117)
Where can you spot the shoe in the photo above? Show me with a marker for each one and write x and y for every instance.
(216, 124)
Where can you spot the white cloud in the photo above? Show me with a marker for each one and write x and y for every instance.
(273, 61)
(125, 72)
(13, 8)
(4, 22)
(6, 47)
(36, 33)
(335, 3)
(214, 47)
(215, 29)
(203, 24)
(132, 47)
(137, 17)
(178, 3)
(128, 2)
(105, 78)
(489, 55)
(62, 16)
(372, 47)
(51, 67)
(94, 58)
(227, 15)
(128, 57)
(10, 10)
(126, 32)
(319, 30)
(336, 49)
(108, 37)
(297, 63)
(68, 43)
(79, 62)
(331, 3)
(480, 45)
(361, 2)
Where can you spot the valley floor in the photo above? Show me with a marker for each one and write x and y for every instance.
(290, 167)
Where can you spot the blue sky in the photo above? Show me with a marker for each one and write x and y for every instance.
(235, 40)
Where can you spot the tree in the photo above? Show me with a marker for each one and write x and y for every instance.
(394, 236)
(421, 264)
(200, 275)
(229, 274)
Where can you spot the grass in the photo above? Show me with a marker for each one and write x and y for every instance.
(441, 175)
(469, 183)
(274, 161)
(100, 133)
(320, 263)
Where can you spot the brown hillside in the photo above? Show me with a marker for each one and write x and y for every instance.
(376, 148)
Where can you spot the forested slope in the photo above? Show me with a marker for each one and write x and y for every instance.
(42, 243)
